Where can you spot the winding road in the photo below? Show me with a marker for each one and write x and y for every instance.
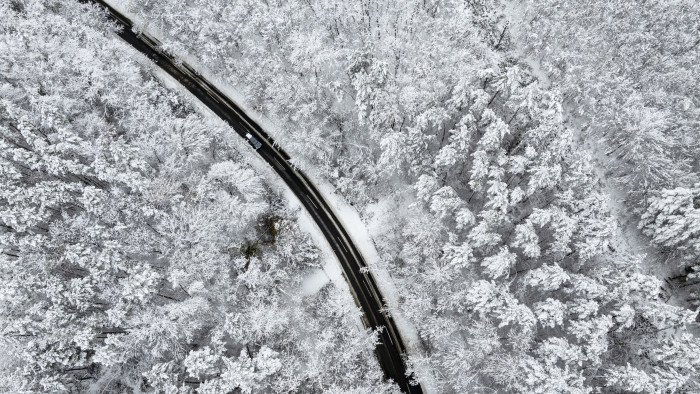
(391, 349)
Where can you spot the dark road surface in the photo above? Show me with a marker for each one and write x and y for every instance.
(363, 286)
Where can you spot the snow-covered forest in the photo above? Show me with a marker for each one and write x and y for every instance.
(527, 171)
(141, 251)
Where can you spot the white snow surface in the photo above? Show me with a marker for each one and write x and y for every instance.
(314, 282)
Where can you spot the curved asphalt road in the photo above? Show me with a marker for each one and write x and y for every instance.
(363, 286)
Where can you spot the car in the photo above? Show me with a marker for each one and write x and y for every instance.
(253, 141)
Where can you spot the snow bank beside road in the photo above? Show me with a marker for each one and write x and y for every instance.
(360, 234)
